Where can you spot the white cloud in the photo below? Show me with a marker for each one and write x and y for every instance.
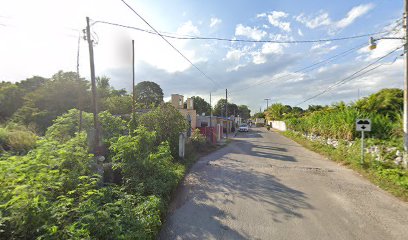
(261, 15)
(270, 48)
(234, 54)
(214, 22)
(258, 58)
(323, 48)
(322, 19)
(275, 20)
(253, 33)
(188, 29)
(353, 14)
(300, 32)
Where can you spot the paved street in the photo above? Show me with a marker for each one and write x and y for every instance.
(265, 186)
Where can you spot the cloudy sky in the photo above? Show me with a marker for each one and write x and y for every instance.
(40, 37)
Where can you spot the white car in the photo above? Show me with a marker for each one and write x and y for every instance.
(243, 128)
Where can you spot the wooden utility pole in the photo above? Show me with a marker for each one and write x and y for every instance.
(226, 109)
(93, 87)
(133, 80)
(80, 96)
(405, 26)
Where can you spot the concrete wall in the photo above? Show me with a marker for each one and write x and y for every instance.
(279, 125)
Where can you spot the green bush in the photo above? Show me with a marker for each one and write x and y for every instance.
(67, 125)
(167, 122)
(17, 139)
(146, 168)
(198, 141)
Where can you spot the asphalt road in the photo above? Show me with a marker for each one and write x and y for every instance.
(265, 186)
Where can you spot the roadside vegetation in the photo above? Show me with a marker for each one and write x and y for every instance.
(330, 130)
(53, 187)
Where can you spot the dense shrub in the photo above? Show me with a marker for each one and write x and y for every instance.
(167, 122)
(67, 125)
(146, 167)
(16, 139)
(197, 140)
(340, 123)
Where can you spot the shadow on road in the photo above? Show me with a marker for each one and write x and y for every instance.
(220, 182)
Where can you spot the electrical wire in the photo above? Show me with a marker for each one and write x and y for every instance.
(308, 68)
(163, 37)
(189, 37)
(356, 74)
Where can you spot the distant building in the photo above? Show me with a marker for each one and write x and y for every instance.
(189, 113)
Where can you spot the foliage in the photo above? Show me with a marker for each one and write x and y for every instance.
(148, 94)
(146, 167)
(244, 112)
(119, 105)
(259, 115)
(167, 122)
(67, 125)
(198, 140)
(339, 123)
(16, 139)
(55, 97)
(30, 182)
(219, 108)
(201, 106)
(11, 99)
(277, 111)
(387, 102)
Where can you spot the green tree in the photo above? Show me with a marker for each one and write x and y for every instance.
(148, 94)
(277, 111)
(201, 106)
(119, 105)
(244, 111)
(219, 108)
(57, 96)
(167, 122)
(11, 99)
(385, 102)
(259, 115)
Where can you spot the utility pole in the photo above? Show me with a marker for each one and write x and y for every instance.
(210, 111)
(405, 26)
(133, 80)
(226, 109)
(267, 102)
(93, 87)
(80, 96)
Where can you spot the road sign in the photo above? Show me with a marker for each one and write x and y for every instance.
(363, 125)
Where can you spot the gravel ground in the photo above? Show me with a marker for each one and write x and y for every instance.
(265, 186)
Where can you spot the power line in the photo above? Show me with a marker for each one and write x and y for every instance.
(163, 37)
(308, 68)
(189, 37)
(352, 76)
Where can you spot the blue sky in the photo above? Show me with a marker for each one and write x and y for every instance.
(41, 39)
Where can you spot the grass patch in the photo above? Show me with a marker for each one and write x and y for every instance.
(390, 178)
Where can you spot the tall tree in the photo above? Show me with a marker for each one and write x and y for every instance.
(219, 108)
(148, 94)
(57, 96)
(244, 111)
(385, 102)
(201, 106)
(11, 99)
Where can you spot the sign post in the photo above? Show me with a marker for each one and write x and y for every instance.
(363, 125)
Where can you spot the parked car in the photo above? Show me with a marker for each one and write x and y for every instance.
(243, 128)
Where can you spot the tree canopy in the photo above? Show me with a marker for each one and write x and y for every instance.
(148, 94)
(201, 106)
